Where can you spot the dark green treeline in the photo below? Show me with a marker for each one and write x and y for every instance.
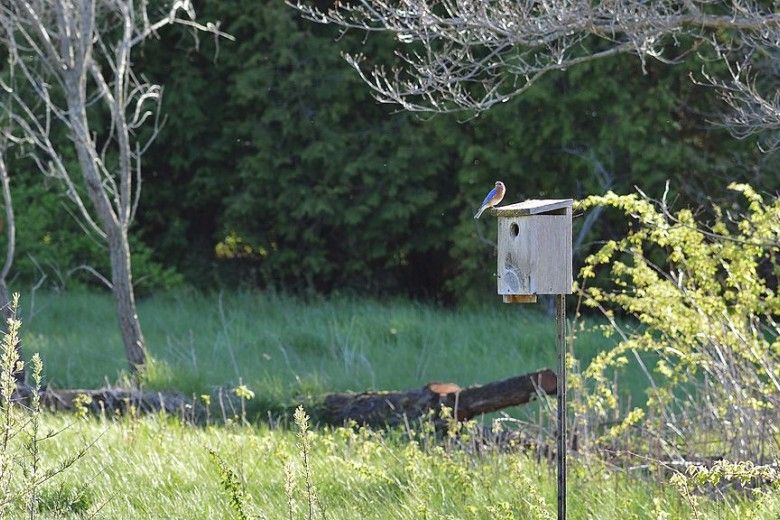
(276, 168)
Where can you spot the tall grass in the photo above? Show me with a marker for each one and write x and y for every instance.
(155, 467)
(281, 347)
(23, 470)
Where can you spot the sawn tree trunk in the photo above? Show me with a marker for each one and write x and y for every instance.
(392, 408)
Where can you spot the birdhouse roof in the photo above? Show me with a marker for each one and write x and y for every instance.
(532, 207)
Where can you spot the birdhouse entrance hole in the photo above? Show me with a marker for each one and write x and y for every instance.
(514, 229)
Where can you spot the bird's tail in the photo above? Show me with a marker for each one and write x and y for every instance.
(479, 212)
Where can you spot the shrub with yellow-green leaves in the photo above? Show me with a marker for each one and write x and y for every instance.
(703, 300)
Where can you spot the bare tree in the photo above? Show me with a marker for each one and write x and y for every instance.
(6, 309)
(75, 60)
(471, 54)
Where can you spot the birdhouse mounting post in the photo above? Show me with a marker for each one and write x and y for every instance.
(535, 257)
(560, 336)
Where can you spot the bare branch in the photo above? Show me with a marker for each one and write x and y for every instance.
(457, 55)
(91, 270)
(752, 112)
(10, 220)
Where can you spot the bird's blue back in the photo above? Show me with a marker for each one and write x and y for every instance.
(489, 196)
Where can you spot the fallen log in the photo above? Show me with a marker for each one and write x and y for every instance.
(392, 408)
(118, 400)
(369, 408)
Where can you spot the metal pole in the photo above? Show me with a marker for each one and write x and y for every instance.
(560, 323)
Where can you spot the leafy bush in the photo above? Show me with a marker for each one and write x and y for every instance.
(705, 298)
(50, 241)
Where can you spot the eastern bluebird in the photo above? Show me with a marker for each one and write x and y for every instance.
(493, 198)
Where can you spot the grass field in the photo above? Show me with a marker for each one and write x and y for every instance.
(282, 347)
(155, 467)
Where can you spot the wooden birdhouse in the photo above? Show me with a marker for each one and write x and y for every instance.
(534, 249)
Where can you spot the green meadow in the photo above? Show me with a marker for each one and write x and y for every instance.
(157, 468)
(283, 348)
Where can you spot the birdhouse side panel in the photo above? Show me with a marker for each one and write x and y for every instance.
(551, 236)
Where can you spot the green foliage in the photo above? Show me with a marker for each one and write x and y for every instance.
(301, 419)
(66, 498)
(705, 296)
(327, 188)
(243, 393)
(563, 135)
(276, 168)
(12, 419)
(275, 151)
(231, 485)
(157, 468)
(764, 480)
(81, 404)
(50, 241)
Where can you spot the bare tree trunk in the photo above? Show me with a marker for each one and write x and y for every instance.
(10, 228)
(124, 297)
(113, 224)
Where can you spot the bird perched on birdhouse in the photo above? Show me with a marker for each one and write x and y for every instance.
(494, 197)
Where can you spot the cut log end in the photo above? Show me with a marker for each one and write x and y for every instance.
(443, 388)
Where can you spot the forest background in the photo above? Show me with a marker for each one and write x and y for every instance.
(276, 169)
